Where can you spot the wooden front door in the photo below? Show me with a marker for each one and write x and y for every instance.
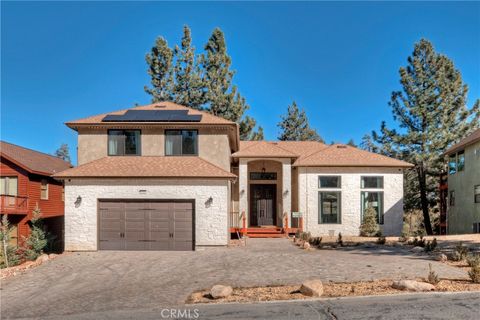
(262, 204)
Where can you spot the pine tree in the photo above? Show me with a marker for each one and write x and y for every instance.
(37, 240)
(258, 135)
(432, 114)
(295, 126)
(8, 253)
(63, 152)
(351, 143)
(189, 87)
(160, 69)
(369, 226)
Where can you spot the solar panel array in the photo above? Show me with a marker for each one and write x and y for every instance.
(153, 116)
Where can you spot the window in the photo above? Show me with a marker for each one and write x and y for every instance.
(452, 164)
(44, 189)
(123, 142)
(476, 192)
(329, 210)
(329, 182)
(372, 183)
(374, 200)
(460, 161)
(9, 186)
(181, 142)
(451, 200)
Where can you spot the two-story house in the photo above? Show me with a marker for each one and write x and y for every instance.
(463, 200)
(26, 183)
(167, 177)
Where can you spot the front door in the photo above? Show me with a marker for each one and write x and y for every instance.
(262, 204)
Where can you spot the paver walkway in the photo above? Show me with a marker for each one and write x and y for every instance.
(112, 280)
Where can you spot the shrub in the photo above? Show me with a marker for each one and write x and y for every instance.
(474, 273)
(431, 245)
(8, 253)
(473, 260)
(432, 276)
(305, 236)
(381, 240)
(316, 241)
(417, 242)
(37, 240)
(460, 252)
(369, 226)
(340, 239)
(298, 234)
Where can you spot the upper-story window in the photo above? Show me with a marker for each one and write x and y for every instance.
(9, 186)
(124, 142)
(460, 160)
(44, 189)
(372, 183)
(181, 142)
(452, 164)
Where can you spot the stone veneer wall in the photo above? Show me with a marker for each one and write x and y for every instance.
(81, 221)
(308, 188)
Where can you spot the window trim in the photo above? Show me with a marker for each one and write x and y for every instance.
(382, 214)
(460, 169)
(452, 159)
(125, 155)
(320, 207)
(339, 181)
(6, 184)
(180, 155)
(375, 188)
(475, 195)
(47, 189)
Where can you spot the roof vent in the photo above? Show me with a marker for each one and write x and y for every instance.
(341, 146)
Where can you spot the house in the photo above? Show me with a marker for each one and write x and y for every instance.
(463, 201)
(26, 182)
(166, 177)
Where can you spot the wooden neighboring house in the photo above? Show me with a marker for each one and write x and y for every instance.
(26, 182)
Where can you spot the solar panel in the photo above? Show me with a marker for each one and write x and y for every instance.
(153, 116)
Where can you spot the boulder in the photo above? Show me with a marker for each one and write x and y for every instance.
(52, 256)
(441, 257)
(306, 245)
(412, 285)
(417, 250)
(42, 258)
(220, 291)
(312, 288)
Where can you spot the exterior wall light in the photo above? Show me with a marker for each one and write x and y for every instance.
(209, 202)
(78, 202)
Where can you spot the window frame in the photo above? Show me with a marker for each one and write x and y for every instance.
(139, 147)
(320, 207)
(452, 160)
(339, 181)
(462, 167)
(7, 179)
(380, 215)
(47, 189)
(181, 134)
(451, 200)
(381, 178)
(476, 196)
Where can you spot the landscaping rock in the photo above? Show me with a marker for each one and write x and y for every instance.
(441, 257)
(52, 256)
(219, 291)
(306, 245)
(43, 258)
(417, 250)
(413, 285)
(312, 288)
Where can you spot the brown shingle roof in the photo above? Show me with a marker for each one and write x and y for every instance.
(147, 167)
(262, 149)
(206, 117)
(31, 160)
(339, 155)
(468, 140)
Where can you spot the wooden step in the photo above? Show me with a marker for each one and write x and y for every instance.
(264, 231)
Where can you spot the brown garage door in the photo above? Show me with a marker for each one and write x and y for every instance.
(146, 225)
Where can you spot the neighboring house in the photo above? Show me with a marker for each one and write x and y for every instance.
(26, 182)
(166, 177)
(463, 205)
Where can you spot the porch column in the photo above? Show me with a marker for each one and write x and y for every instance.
(287, 189)
(243, 187)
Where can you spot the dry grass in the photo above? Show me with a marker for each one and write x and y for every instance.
(330, 289)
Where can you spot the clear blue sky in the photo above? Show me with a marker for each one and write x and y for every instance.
(63, 60)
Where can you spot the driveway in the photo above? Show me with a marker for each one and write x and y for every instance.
(78, 283)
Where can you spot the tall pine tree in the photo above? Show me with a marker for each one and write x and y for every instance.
(189, 87)
(295, 126)
(63, 152)
(160, 69)
(431, 113)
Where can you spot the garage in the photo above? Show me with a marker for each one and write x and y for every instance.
(146, 225)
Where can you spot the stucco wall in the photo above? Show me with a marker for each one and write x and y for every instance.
(465, 212)
(81, 221)
(92, 145)
(308, 189)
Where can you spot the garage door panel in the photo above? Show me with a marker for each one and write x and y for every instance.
(182, 245)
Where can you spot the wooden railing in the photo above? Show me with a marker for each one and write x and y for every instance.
(235, 220)
(13, 204)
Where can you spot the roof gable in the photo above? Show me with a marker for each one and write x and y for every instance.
(468, 140)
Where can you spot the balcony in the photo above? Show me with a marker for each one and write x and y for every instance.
(13, 204)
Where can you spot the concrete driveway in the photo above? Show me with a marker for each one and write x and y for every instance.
(79, 283)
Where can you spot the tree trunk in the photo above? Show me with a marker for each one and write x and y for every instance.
(423, 200)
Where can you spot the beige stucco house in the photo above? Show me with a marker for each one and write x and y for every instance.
(463, 205)
(166, 177)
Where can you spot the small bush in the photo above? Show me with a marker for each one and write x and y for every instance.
(37, 240)
(298, 234)
(473, 260)
(460, 252)
(305, 236)
(417, 242)
(369, 226)
(381, 240)
(432, 276)
(340, 239)
(316, 241)
(474, 273)
(431, 245)
(9, 256)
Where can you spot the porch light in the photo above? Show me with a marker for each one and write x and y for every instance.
(285, 192)
(209, 202)
(78, 202)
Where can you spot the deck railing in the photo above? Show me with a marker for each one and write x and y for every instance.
(235, 220)
(13, 204)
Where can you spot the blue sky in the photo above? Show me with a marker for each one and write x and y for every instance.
(64, 60)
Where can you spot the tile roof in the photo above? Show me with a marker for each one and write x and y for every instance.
(262, 149)
(340, 155)
(147, 167)
(468, 140)
(31, 160)
(207, 118)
